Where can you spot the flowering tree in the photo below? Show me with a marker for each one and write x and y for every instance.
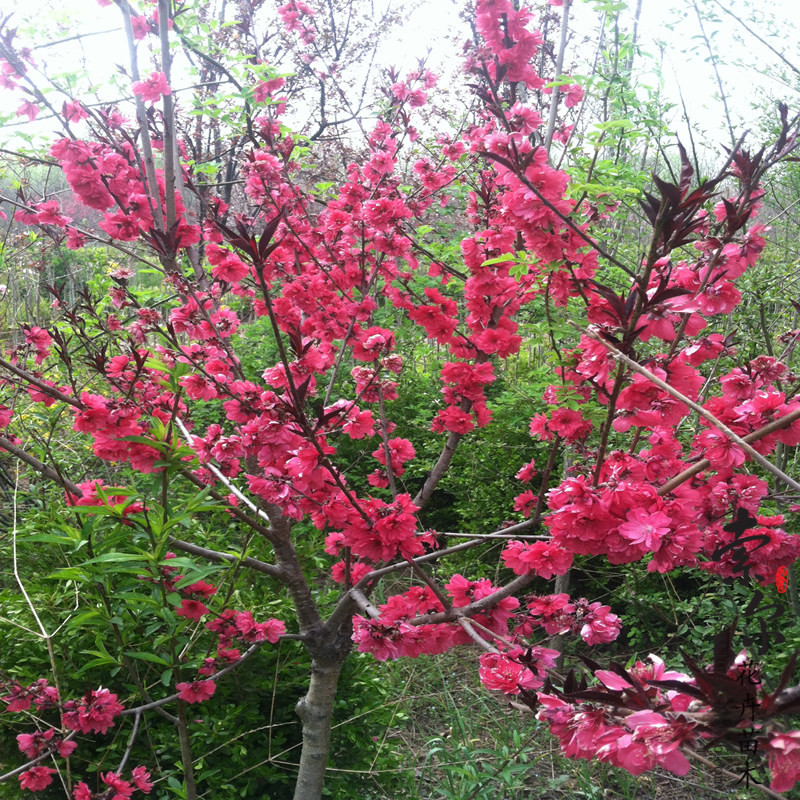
(325, 274)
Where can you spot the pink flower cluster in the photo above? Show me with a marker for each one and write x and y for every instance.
(108, 421)
(637, 743)
(400, 451)
(101, 176)
(94, 713)
(19, 698)
(546, 559)
(37, 778)
(118, 789)
(229, 626)
(34, 744)
(557, 614)
(396, 632)
(153, 88)
(516, 669)
(297, 17)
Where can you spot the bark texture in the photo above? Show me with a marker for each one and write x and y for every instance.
(316, 712)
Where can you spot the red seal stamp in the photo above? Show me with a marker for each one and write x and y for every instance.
(782, 579)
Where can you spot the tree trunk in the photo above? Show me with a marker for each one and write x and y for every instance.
(316, 712)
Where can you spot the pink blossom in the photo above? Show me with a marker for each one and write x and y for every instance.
(644, 528)
(384, 640)
(141, 777)
(141, 27)
(121, 789)
(81, 791)
(525, 502)
(718, 298)
(74, 111)
(192, 609)
(28, 109)
(544, 558)
(151, 89)
(503, 672)
(720, 450)
(36, 778)
(94, 713)
(464, 591)
(783, 751)
(252, 631)
(573, 95)
(266, 89)
(568, 424)
(454, 420)
(600, 625)
(201, 588)
(196, 692)
(526, 473)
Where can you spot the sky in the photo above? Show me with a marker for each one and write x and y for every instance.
(685, 68)
(670, 22)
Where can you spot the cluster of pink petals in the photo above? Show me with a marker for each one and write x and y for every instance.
(153, 88)
(546, 559)
(197, 691)
(19, 698)
(118, 789)
(94, 713)
(34, 744)
(557, 614)
(509, 672)
(36, 778)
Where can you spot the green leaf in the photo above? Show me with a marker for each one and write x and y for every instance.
(178, 561)
(68, 574)
(102, 659)
(153, 363)
(518, 270)
(50, 538)
(614, 123)
(100, 511)
(147, 657)
(196, 575)
(83, 619)
(115, 558)
(162, 447)
(95, 662)
(499, 259)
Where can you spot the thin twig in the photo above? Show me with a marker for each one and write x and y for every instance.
(216, 555)
(476, 637)
(220, 477)
(364, 604)
(562, 46)
(713, 60)
(131, 739)
(766, 44)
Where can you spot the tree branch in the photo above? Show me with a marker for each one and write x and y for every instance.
(706, 415)
(47, 472)
(562, 46)
(216, 555)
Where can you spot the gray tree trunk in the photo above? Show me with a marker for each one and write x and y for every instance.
(316, 712)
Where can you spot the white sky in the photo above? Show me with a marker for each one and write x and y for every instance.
(674, 22)
(671, 21)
